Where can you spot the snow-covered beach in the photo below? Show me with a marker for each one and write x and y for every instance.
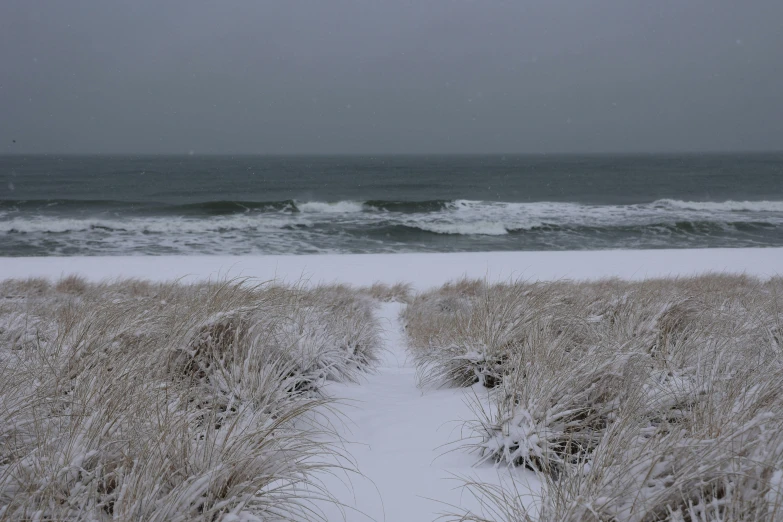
(421, 270)
(400, 435)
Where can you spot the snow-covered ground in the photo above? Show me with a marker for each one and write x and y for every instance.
(422, 270)
(399, 434)
(401, 438)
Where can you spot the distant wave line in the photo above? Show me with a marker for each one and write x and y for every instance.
(230, 207)
(474, 228)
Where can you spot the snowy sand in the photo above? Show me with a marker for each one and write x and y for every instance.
(399, 435)
(422, 270)
(402, 438)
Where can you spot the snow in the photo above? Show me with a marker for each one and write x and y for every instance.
(422, 270)
(402, 439)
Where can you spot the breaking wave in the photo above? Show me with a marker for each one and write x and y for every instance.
(43, 227)
(218, 208)
(723, 206)
(455, 217)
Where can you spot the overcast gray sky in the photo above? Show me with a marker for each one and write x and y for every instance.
(391, 76)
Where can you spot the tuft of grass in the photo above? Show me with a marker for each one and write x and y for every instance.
(399, 292)
(647, 401)
(71, 284)
(136, 400)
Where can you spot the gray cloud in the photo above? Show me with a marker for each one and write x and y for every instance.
(390, 76)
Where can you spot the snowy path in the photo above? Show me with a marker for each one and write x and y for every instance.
(398, 436)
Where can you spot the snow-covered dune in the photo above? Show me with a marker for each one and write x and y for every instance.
(399, 436)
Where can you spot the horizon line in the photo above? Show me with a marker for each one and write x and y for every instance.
(400, 154)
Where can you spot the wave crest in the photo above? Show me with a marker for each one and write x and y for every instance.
(339, 207)
(728, 205)
(451, 217)
(478, 228)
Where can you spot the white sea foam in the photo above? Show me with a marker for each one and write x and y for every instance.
(339, 207)
(478, 228)
(159, 225)
(731, 206)
(350, 226)
(464, 217)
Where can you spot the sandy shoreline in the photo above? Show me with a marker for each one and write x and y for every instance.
(421, 270)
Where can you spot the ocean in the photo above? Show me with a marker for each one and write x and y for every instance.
(189, 205)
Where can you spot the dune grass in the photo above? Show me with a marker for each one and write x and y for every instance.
(133, 400)
(656, 400)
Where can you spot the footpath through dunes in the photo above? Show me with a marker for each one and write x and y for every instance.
(402, 440)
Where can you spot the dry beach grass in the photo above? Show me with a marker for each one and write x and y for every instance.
(133, 400)
(656, 400)
(632, 401)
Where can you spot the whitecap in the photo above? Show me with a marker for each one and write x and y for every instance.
(478, 228)
(338, 207)
(729, 205)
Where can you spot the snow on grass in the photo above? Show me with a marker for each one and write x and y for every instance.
(657, 400)
(136, 400)
(636, 375)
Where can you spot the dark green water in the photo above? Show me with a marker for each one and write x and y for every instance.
(102, 205)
